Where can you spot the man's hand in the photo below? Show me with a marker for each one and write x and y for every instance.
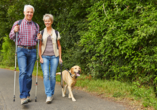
(16, 28)
(39, 36)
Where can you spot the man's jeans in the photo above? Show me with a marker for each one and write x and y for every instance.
(49, 76)
(26, 60)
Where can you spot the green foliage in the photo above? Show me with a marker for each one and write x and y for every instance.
(8, 52)
(115, 41)
(121, 40)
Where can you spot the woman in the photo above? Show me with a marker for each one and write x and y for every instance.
(50, 55)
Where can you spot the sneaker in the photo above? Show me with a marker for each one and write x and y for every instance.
(29, 99)
(24, 101)
(49, 100)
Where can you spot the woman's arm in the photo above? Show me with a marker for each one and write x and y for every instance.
(60, 51)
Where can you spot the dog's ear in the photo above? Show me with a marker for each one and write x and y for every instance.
(72, 70)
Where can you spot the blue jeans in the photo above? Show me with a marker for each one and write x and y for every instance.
(49, 75)
(26, 60)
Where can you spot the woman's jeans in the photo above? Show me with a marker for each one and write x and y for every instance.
(26, 60)
(49, 75)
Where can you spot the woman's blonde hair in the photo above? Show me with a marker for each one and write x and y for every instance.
(48, 16)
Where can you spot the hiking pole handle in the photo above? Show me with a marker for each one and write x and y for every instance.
(16, 40)
(38, 49)
(16, 34)
(41, 35)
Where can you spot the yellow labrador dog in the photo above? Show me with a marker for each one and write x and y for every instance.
(70, 78)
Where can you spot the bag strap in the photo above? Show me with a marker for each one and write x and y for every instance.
(56, 37)
(19, 22)
(56, 33)
(42, 32)
(35, 24)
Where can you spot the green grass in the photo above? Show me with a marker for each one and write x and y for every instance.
(10, 68)
(115, 89)
(119, 90)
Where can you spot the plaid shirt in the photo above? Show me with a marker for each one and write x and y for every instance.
(27, 33)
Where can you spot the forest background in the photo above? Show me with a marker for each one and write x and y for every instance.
(109, 39)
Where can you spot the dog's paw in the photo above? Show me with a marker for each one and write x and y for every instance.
(73, 100)
(63, 95)
(69, 96)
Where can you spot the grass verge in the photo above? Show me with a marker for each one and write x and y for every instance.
(127, 93)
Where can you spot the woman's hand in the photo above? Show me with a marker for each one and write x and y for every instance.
(60, 60)
(41, 60)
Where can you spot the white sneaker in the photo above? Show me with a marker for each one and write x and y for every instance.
(24, 101)
(29, 99)
(49, 100)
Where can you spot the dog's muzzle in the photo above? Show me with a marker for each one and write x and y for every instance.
(77, 73)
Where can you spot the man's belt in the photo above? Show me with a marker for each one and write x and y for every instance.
(27, 47)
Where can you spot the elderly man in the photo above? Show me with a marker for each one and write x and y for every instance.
(26, 50)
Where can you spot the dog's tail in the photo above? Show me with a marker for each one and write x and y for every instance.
(59, 73)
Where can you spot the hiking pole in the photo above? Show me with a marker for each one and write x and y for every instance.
(15, 65)
(37, 73)
(61, 75)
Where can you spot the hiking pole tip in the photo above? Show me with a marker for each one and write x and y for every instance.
(14, 99)
(35, 99)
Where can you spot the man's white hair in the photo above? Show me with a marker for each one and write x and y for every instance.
(30, 6)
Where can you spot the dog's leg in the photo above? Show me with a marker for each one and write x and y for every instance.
(64, 90)
(63, 93)
(71, 94)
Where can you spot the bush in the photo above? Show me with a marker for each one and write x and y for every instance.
(121, 40)
(8, 52)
